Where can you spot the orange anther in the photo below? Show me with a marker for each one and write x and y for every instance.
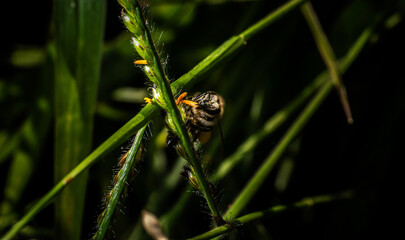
(190, 103)
(148, 100)
(141, 62)
(181, 97)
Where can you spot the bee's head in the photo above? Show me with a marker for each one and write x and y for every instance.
(212, 103)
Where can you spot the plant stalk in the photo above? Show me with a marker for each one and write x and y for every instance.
(328, 56)
(209, 64)
(172, 109)
(253, 185)
(272, 211)
(260, 175)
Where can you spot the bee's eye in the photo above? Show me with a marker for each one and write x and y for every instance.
(206, 105)
(202, 103)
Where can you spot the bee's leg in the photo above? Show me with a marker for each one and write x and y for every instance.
(148, 100)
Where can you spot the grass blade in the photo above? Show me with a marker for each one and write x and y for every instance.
(231, 46)
(328, 56)
(269, 127)
(255, 182)
(79, 35)
(306, 202)
(141, 119)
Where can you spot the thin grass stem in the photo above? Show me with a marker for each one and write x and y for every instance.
(155, 68)
(253, 185)
(125, 132)
(272, 211)
(209, 64)
(231, 46)
(258, 178)
(328, 56)
(269, 127)
(270, 18)
(281, 116)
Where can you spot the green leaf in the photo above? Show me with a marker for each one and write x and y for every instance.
(79, 35)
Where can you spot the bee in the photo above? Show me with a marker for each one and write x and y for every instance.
(202, 118)
(201, 112)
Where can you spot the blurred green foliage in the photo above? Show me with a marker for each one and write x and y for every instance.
(329, 156)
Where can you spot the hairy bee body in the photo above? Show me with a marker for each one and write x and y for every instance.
(200, 118)
(201, 112)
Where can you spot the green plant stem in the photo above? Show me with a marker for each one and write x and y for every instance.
(173, 111)
(273, 16)
(328, 56)
(258, 178)
(276, 120)
(119, 185)
(207, 65)
(253, 185)
(281, 116)
(272, 211)
(270, 126)
(125, 132)
(232, 46)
